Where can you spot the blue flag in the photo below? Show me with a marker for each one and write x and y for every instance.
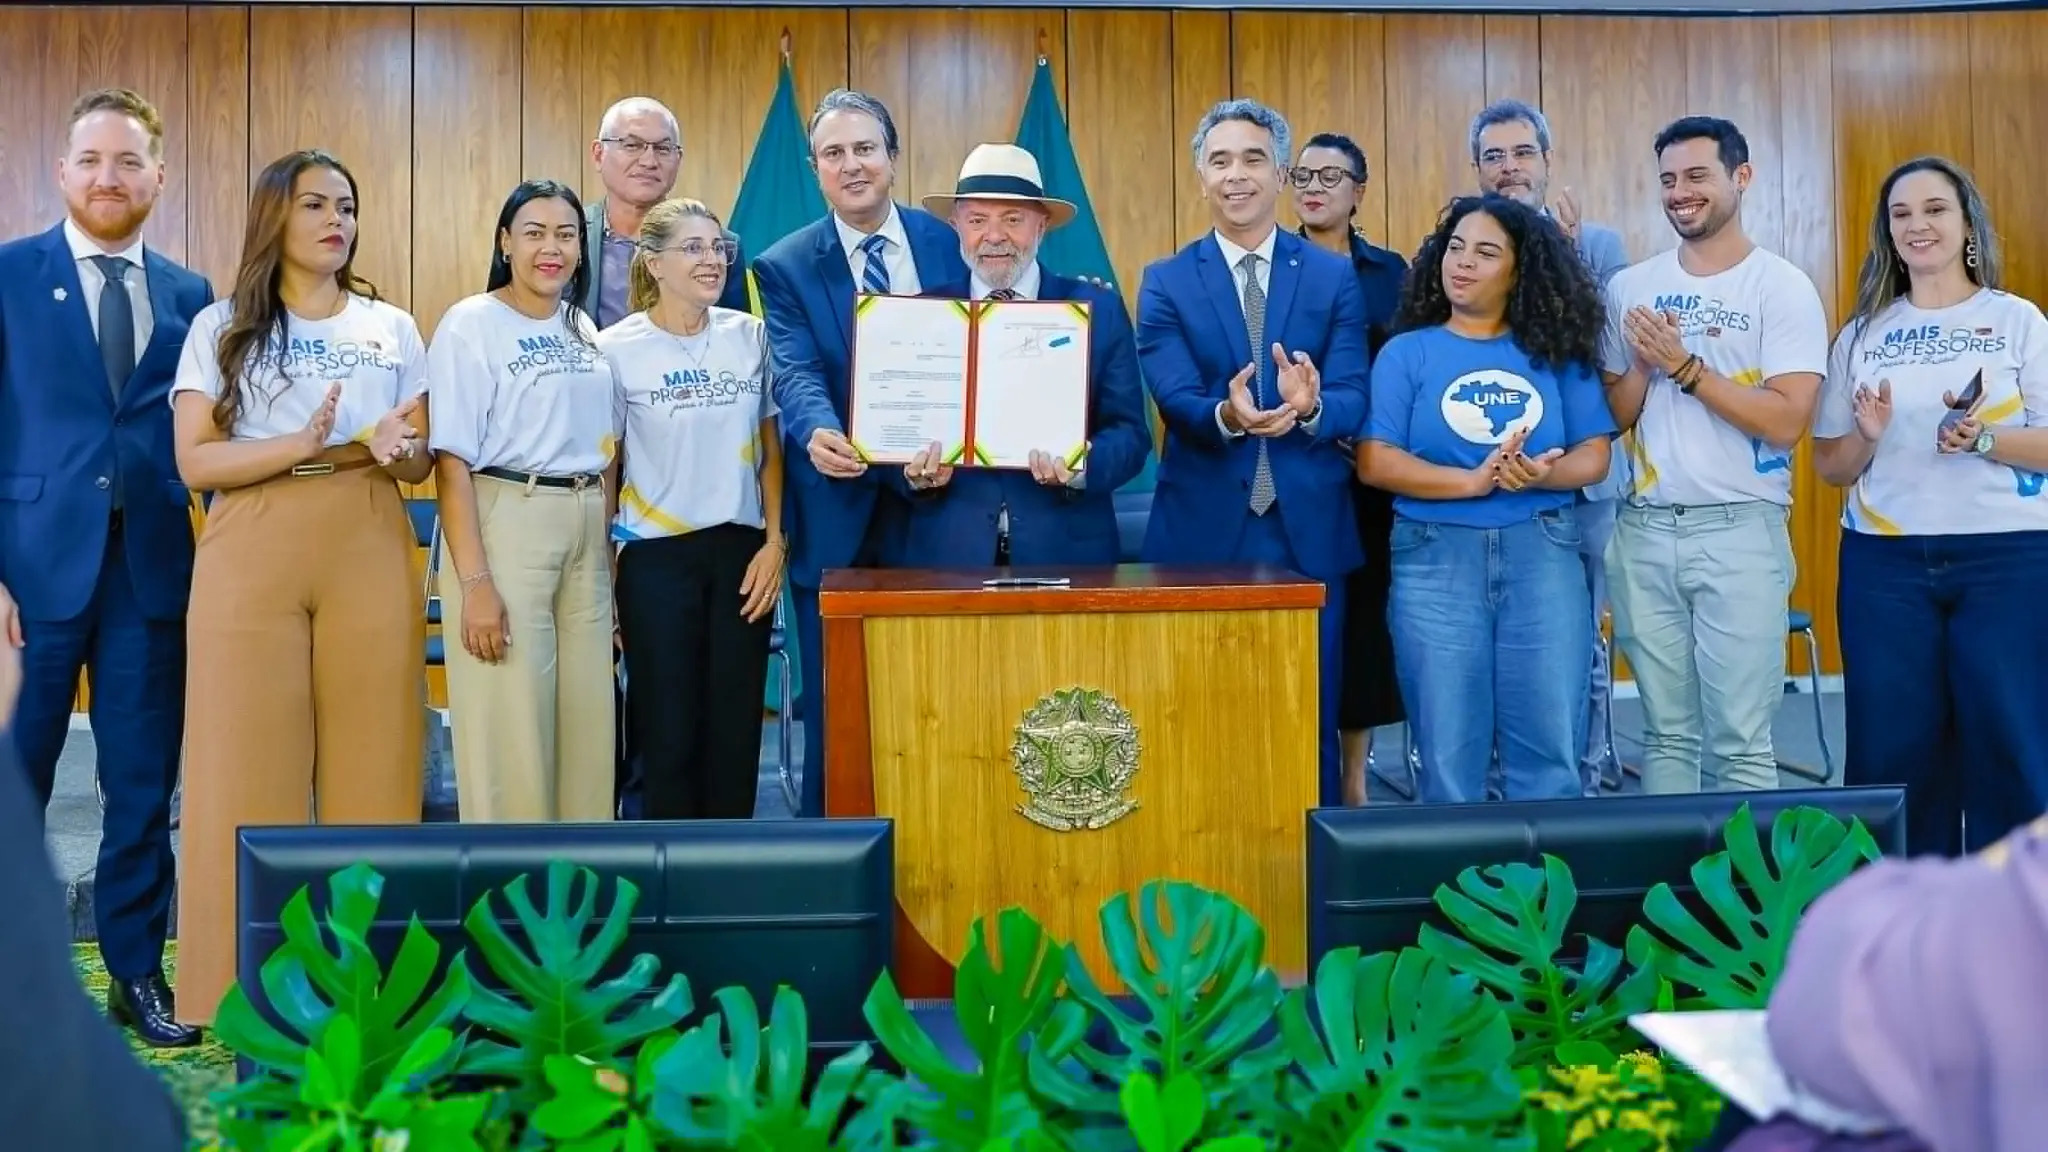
(1078, 249)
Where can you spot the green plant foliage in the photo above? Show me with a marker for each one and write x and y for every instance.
(1512, 920)
(1398, 1051)
(557, 1010)
(1000, 998)
(312, 989)
(751, 1094)
(1736, 962)
(1195, 962)
(1630, 1104)
(1477, 1040)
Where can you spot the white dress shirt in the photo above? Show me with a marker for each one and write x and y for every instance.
(91, 281)
(895, 254)
(1233, 256)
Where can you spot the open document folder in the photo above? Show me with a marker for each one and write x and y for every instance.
(1731, 1051)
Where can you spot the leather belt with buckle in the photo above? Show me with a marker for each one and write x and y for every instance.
(330, 467)
(513, 475)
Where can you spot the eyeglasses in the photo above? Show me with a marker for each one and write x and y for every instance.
(695, 249)
(664, 149)
(1495, 157)
(1328, 177)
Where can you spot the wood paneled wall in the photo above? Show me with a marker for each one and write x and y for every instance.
(441, 110)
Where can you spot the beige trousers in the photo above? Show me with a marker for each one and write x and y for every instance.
(535, 735)
(306, 690)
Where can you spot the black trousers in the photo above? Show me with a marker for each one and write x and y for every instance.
(695, 668)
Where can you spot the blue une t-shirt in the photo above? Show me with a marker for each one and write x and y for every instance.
(1450, 400)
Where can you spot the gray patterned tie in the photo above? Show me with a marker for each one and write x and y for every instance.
(117, 323)
(1255, 327)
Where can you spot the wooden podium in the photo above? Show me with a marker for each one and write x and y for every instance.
(1172, 708)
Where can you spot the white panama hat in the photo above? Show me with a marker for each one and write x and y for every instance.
(1001, 172)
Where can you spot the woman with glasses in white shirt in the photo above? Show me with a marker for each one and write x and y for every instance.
(699, 518)
(526, 422)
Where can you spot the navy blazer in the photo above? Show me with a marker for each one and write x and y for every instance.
(1191, 341)
(954, 526)
(807, 292)
(62, 435)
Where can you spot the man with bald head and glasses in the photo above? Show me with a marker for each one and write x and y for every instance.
(638, 153)
(1510, 142)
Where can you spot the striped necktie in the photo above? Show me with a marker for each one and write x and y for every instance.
(1003, 294)
(874, 277)
(1255, 327)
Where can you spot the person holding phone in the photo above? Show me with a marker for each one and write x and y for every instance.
(1935, 417)
(1487, 418)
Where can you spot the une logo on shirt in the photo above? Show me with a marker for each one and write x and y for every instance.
(1490, 405)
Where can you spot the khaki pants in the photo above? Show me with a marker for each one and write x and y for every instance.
(535, 735)
(306, 688)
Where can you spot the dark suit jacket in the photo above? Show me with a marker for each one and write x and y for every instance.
(62, 436)
(807, 295)
(734, 296)
(67, 1081)
(955, 526)
(1191, 341)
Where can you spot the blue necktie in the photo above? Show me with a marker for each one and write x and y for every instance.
(117, 322)
(875, 277)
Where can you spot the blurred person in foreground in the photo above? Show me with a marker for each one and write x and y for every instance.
(70, 1083)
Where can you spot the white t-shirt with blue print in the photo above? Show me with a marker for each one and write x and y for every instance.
(1910, 489)
(1451, 400)
(371, 348)
(694, 407)
(1760, 319)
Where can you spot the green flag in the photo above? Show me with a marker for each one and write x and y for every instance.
(1077, 249)
(778, 195)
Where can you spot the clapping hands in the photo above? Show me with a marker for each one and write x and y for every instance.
(1510, 468)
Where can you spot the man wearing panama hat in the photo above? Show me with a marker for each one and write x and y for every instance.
(1052, 514)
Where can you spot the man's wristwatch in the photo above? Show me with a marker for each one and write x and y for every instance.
(1984, 442)
(1314, 413)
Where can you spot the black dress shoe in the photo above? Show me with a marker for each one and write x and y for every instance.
(145, 1006)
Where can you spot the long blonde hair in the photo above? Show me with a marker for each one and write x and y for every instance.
(657, 230)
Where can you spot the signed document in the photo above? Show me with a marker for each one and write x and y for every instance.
(910, 377)
(1030, 382)
(991, 381)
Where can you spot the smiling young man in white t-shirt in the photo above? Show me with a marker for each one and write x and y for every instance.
(1714, 356)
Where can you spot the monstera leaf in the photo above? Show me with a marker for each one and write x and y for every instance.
(312, 989)
(328, 1113)
(1000, 999)
(1512, 920)
(753, 1097)
(1400, 1053)
(554, 1010)
(1736, 962)
(1206, 994)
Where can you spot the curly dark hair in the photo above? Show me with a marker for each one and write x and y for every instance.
(1555, 311)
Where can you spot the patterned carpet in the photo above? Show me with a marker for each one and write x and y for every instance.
(192, 1073)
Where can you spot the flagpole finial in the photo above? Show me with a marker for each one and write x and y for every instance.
(1041, 46)
(785, 43)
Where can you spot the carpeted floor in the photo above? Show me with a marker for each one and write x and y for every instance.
(192, 1073)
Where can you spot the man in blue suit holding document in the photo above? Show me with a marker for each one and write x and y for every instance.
(1253, 342)
(839, 515)
(1055, 509)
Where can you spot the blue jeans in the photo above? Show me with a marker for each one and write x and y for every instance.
(1946, 693)
(1596, 528)
(1493, 631)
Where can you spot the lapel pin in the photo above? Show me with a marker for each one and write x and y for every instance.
(60, 295)
(1292, 263)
